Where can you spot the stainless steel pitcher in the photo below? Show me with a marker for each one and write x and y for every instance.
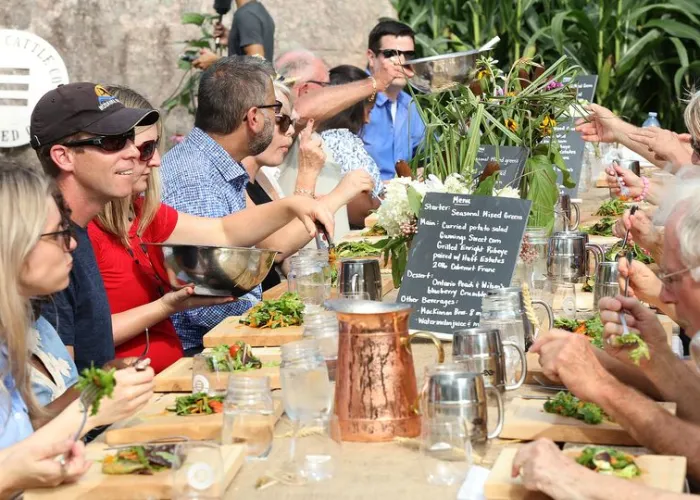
(567, 256)
(361, 275)
(606, 282)
(483, 351)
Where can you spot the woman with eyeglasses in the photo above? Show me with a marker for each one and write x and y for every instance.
(312, 158)
(35, 258)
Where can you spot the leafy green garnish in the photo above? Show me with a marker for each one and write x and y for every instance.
(288, 310)
(357, 249)
(638, 253)
(612, 208)
(225, 358)
(603, 227)
(630, 339)
(197, 404)
(566, 324)
(99, 379)
(568, 405)
(591, 328)
(608, 461)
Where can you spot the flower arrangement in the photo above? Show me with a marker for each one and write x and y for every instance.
(398, 213)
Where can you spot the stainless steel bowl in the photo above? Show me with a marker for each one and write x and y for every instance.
(443, 72)
(217, 271)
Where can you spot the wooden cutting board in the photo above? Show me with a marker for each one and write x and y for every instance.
(178, 376)
(604, 241)
(94, 484)
(526, 419)
(230, 330)
(155, 422)
(663, 472)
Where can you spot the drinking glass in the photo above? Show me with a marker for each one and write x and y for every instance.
(308, 277)
(564, 300)
(318, 447)
(323, 328)
(248, 415)
(199, 472)
(205, 376)
(446, 449)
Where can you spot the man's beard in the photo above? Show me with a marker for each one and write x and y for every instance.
(260, 142)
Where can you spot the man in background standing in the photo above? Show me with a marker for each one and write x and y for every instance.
(395, 128)
(252, 33)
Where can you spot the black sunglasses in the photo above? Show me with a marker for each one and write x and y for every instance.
(284, 122)
(148, 149)
(389, 53)
(109, 143)
(67, 235)
(276, 107)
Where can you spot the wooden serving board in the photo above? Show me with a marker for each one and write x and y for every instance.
(94, 484)
(662, 472)
(178, 376)
(231, 329)
(155, 422)
(603, 241)
(526, 419)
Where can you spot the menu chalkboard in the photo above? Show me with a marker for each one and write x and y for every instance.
(585, 86)
(511, 160)
(465, 246)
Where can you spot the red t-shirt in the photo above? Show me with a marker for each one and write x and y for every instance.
(134, 278)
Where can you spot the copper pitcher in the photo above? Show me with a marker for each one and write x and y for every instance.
(376, 395)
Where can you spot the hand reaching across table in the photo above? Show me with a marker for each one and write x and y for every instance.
(665, 145)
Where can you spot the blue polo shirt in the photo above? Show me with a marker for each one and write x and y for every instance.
(388, 140)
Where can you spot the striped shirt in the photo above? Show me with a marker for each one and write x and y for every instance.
(201, 178)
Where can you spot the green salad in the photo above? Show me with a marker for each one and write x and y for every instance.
(357, 249)
(612, 208)
(609, 461)
(568, 405)
(237, 357)
(102, 381)
(638, 253)
(603, 227)
(591, 328)
(288, 310)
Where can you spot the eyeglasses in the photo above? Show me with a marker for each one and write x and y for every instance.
(276, 107)
(389, 53)
(284, 122)
(67, 235)
(148, 149)
(320, 84)
(109, 143)
(670, 279)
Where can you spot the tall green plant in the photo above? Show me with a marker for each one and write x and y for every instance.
(646, 52)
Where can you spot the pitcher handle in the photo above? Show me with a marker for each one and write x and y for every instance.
(501, 413)
(428, 336)
(523, 364)
(577, 209)
(598, 254)
(550, 313)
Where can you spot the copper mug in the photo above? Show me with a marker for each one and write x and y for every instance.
(376, 395)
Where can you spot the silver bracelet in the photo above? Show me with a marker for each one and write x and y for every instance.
(305, 192)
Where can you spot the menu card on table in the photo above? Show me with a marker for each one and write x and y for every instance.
(465, 246)
(511, 161)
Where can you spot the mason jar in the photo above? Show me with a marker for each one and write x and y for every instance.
(323, 327)
(307, 278)
(306, 388)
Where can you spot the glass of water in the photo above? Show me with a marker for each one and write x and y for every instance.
(564, 300)
(249, 415)
(318, 448)
(446, 449)
(307, 277)
(207, 375)
(198, 472)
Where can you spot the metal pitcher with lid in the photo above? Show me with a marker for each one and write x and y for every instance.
(376, 396)
(361, 275)
(567, 214)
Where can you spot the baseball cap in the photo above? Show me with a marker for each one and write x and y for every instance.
(83, 107)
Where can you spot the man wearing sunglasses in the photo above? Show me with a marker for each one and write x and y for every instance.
(395, 128)
(84, 138)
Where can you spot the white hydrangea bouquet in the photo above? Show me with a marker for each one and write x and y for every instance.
(398, 213)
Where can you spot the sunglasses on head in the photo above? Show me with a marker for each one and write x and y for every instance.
(284, 122)
(109, 143)
(389, 53)
(148, 149)
(66, 234)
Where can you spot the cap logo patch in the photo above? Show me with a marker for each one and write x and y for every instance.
(104, 98)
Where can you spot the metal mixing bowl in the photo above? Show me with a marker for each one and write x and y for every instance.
(218, 271)
(443, 72)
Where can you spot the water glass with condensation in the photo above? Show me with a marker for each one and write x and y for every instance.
(446, 450)
(198, 472)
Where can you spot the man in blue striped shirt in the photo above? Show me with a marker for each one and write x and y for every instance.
(203, 176)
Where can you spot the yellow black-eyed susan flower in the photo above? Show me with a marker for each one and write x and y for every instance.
(512, 125)
(483, 73)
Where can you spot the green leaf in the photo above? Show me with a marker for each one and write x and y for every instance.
(193, 18)
(604, 79)
(560, 164)
(682, 52)
(629, 58)
(676, 28)
(415, 200)
(542, 190)
(485, 187)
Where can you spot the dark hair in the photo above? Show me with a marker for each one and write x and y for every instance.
(44, 153)
(388, 27)
(353, 118)
(228, 89)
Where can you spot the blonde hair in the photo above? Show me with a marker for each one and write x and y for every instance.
(284, 89)
(24, 193)
(116, 214)
(692, 116)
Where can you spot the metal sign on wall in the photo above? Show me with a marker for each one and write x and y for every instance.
(29, 67)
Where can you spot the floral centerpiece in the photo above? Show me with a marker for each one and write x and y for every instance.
(517, 108)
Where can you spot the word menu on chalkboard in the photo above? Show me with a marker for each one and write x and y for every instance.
(465, 246)
(511, 160)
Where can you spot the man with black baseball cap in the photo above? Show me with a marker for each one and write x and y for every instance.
(84, 139)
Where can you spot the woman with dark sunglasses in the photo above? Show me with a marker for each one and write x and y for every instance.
(261, 188)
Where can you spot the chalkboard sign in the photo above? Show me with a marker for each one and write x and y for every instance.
(585, 86)
(465, 246)
(511, 160)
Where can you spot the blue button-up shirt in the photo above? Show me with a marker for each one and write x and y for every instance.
(388, 140)
(201, 178)
(14, 416)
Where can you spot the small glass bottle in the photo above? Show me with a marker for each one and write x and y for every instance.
(323, 327)
(306, 388)
(249, 415)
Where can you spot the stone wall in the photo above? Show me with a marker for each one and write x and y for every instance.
(135, 43)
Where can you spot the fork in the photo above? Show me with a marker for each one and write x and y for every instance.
(137, 364)
(87, 398)
(625, 329)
